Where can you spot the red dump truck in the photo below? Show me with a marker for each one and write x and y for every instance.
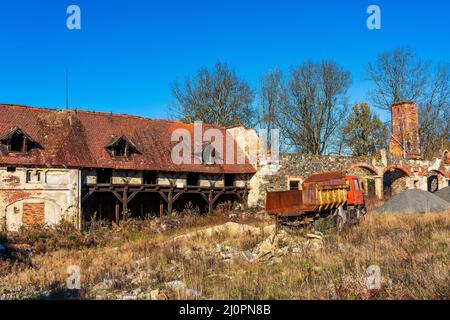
(330, 194)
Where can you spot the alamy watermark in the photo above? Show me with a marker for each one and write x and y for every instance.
(73, 21)
(373, 280)
(73, 281)
(374, 20)
(218, 146)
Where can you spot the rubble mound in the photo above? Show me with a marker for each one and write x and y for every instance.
(414, 201)
(444, 193)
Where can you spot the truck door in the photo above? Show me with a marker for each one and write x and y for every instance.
(358, 193)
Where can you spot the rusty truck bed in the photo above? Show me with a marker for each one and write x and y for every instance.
(323, 191)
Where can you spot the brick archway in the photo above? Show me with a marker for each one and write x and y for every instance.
(404, 168)
(367, 166)
(395, 179)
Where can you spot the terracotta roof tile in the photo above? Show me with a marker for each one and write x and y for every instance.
(76, 138)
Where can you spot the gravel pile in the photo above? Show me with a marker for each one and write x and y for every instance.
(414, 201)
(444, 193)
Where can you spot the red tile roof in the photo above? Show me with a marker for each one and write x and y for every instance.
(76, 138)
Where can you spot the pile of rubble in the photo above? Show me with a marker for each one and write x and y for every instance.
(274, 247)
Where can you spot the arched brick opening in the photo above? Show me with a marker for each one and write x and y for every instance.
(395, 180)
(366, 174)
(436, 179)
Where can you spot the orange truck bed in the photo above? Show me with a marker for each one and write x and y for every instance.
(321, 192)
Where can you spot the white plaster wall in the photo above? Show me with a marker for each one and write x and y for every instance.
(178, 179)
(127, 177)
(208, 180)
(58, 189)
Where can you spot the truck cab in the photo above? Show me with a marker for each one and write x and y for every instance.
(355, 194)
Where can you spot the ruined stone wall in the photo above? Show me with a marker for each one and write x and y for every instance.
(35, 196)
(276, 176)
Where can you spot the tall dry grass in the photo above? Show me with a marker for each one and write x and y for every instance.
(412, 252)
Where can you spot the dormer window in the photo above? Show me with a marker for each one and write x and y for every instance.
(122, 147)
(18, 141)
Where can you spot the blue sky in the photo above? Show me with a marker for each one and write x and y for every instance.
(128, 53)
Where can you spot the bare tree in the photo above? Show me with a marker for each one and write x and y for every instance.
(272, 96)
(214, 96)
(434, 110)
(400, 76)
(315, 106)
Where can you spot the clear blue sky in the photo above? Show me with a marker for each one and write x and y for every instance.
(128, 53)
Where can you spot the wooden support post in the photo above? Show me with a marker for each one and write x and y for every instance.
(117, 211)
(170, 201)
(125, 203)
(210, 202)
(161, 207)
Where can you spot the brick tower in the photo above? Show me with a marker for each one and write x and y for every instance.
(405, 142)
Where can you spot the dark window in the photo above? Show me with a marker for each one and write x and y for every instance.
(11, 169)
(16, 143)
(150, 177)
(104, 175)
(192, 179)
(294, 184)
(229, 180)
(122, 147)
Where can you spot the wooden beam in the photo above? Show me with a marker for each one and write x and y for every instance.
(170, 202)
(133, 195)
(210, 202)
(117, 195)
(125, 204)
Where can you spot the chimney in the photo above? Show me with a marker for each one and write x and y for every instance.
(405, 142)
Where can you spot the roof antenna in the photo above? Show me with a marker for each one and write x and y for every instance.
(67, 90)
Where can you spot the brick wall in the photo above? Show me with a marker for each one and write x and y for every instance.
(33, 214)
(405, 131)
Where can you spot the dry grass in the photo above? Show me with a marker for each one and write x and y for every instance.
(411, 250)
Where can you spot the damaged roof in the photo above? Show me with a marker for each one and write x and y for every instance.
(77, 138)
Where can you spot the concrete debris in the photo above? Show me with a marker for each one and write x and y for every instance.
(175, 285)
(104, 285)
(232, 229)
(274, 247)
(179, 287)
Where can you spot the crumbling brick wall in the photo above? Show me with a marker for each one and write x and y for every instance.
(405, 142)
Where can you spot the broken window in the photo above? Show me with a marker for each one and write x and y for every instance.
(192, 179)
(122, 147)
(18, 141)
(294, 184)
(104, 175)
(229, 180)
(150, 177)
